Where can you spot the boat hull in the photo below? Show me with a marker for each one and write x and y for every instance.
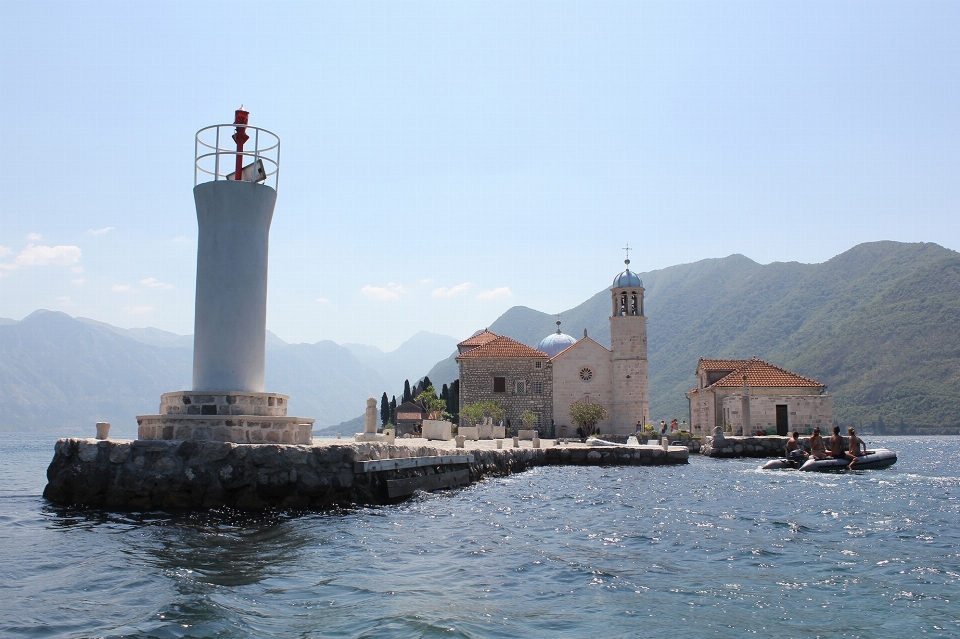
(878, 458)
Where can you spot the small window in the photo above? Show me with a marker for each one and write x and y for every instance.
(538, 365)
(520, 387)
(499, 384)
(538, 388)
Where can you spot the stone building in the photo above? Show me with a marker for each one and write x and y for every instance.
(563, 370)
(744, 396)
(512, 374)
(410, 416)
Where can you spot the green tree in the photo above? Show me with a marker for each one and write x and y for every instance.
(384, 409)
(430, 403)
(474, 413)
(528, 418)
(393, 410)
(407, 395)
(587, 415)
(453, 402)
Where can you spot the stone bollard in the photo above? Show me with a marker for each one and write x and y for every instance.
(516, 442)
(103, 430)
(536, 442)
(391, 435)
(338, 435)
(665, 442)
(499, 444)
(460, 440)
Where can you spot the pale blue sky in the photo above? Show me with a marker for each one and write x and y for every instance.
(443, 161)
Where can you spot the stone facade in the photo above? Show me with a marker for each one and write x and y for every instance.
(581, 372)
(628, 345)
(804, 412)
(525, 387)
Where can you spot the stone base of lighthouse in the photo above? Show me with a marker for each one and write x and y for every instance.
(225, 416)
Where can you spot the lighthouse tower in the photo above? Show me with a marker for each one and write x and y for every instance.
(628, 357)
(235, 191)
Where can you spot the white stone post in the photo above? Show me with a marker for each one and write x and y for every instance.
(370, 423)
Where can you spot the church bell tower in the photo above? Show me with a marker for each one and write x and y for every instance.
(628, 346)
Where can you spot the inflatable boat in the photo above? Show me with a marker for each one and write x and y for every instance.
(876, 458)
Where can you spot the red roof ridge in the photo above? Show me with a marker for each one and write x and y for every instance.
(483, 337)
(503, 346)
(759, 373)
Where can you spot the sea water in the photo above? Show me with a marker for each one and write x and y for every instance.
(715, 548)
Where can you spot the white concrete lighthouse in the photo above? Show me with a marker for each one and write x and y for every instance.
(235, 191)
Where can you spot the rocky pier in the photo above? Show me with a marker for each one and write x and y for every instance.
(142, 475)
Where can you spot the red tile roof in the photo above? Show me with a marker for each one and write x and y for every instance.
(764, 374)
(503, 347)
(481, 338)
(720, 364)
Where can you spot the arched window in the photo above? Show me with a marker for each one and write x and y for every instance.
(623, 304)
(633, 305)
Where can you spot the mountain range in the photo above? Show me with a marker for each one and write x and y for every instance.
(62, 374)
(879, 324)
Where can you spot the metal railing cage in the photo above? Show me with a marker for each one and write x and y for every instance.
(215, 155)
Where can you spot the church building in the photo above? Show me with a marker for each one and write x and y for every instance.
(751, 396)
(563, 370)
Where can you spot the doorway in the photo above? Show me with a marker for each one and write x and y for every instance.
(782, 425)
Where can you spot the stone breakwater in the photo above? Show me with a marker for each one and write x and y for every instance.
(727, 447)
(152, 475)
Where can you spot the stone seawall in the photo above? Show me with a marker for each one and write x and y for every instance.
(151, 475)
(146, 475)
(727, 447)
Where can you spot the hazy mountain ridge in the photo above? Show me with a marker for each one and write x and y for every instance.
(877, 324)
(63, 374)
(410, 361)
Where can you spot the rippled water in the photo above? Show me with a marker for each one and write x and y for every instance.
(714, 548)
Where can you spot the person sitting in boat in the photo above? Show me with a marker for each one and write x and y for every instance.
(794, 452)
(855, 447)
(817, 448)
(837, 449)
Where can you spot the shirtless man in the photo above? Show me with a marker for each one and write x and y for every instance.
(855, 447)
(794, 452)
(836, 444)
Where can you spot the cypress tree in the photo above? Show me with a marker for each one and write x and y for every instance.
(453, 405)
(407, 396)
(393, 410)
(425, 383)
(384, 409)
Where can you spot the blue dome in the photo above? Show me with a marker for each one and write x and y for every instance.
(626, 279)
(553, 343)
